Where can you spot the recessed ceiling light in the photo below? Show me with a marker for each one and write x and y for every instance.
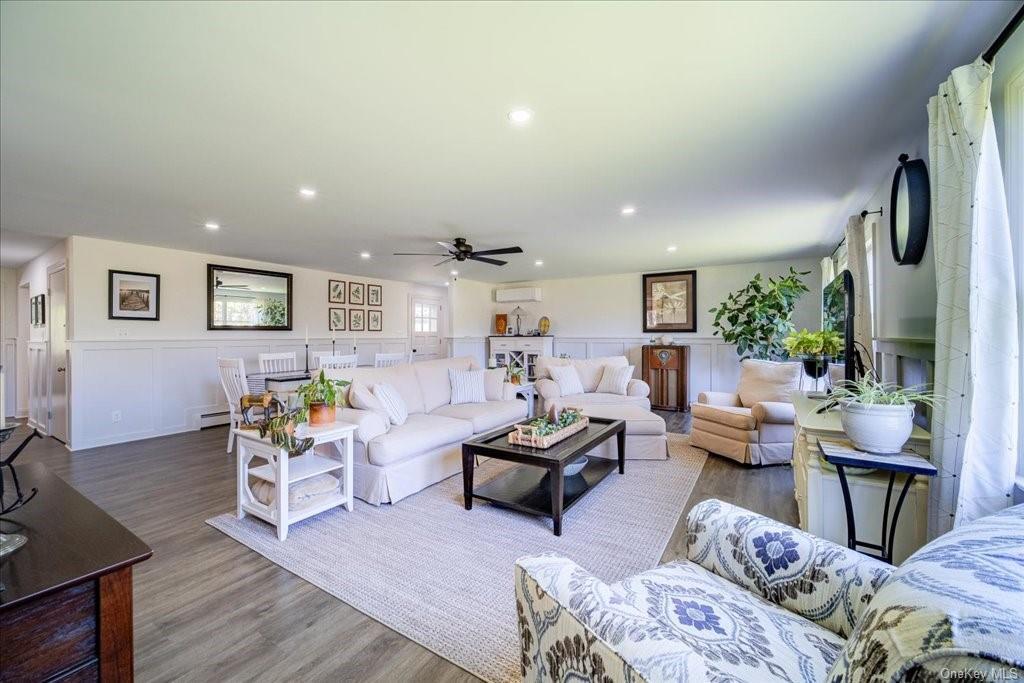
(211, 225)
(454, 272)
(520, 117)
(538, 263)
(364, 254)
(628, 210)
(671, 248)
(307, 192)
(447, 284)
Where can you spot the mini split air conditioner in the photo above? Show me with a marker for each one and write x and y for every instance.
(517, 294)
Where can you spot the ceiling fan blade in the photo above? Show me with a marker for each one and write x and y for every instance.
(441, 263)
(397, 253)
(506, 250)
(492, 261)
(446, 245)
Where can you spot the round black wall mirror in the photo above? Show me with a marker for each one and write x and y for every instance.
(909, 206)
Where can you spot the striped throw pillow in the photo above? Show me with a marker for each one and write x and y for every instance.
(392, 401)
(567, 378)
(467, 386)
(615, 379)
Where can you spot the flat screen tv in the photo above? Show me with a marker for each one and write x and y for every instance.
(837, 315)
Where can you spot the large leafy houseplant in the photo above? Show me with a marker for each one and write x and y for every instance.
(758, 317)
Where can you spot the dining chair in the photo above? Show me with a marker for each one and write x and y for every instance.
(329, 361)
(232, 378)
(278, 362)
(387, 360)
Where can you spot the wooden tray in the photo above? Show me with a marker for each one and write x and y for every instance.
(524, 436)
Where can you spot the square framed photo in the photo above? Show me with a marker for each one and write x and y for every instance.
(670, 301)
(337, 320)
(374, 295)
(133, 296)
(335, 291)
(355, 293)
(374, 321)
(356, 320)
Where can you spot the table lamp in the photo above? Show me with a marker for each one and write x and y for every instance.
(518, 312)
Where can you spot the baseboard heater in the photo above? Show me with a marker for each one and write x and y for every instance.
(214, 419)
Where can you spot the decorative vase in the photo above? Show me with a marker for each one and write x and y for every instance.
(500, 323)
(666, 340)
(877, 428)
(321, 413)
(544, 325)
(815, 366)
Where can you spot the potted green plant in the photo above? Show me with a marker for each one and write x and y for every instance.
(878, 417)
(757, 317)
(815, 349)
(516, 373)
(321, 397)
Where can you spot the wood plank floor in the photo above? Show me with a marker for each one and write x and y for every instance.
(207, 607)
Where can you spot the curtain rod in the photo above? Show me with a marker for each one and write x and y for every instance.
(1001, 39)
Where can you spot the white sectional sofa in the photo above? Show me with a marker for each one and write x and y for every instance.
(589, 371)
(393, 462)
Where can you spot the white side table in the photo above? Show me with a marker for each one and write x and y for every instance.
(530, 394)
(282, 471)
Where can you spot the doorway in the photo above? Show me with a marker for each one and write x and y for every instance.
(57, 365)
(426, 321)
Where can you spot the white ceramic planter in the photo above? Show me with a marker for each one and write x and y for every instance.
(877, 428)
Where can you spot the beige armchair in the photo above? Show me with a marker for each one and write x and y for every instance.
(754, 425)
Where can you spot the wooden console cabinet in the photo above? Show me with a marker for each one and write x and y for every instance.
(667, 370)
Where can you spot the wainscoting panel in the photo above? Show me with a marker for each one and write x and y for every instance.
(475, 347)
(176, 376)
(38, 395)
(570, 348)
(116, 380)
(10, 363)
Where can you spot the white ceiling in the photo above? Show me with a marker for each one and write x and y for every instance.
(741, 131)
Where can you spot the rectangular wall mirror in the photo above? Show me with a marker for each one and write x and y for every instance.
(247, 299)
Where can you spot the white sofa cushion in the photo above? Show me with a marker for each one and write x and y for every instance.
(392, 402)
(435, 384)
(765, 380)
(485, 416)
(467, 386)
(419, 434)
(402, 377)
(581, 400)
(614, 379)
(568, 380)
(638, 420)
(361, 397)
(589, 369)
(494, 384)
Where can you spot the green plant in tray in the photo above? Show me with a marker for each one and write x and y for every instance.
(543, 426)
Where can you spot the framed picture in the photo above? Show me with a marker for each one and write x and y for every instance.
(374, 321)
(356, 320)
(355, 293)
(374, 295)
(335, 291)
(336, 319)
(670, 301)
(247, 299)
(133, 296)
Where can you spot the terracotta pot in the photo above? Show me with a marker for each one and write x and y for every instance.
(321, 413)
(514, 379)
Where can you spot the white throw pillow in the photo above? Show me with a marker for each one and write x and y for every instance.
(467, 386)
(568, 380)
(392, 402)
(494, 384)
(615, 379)
(361, 397)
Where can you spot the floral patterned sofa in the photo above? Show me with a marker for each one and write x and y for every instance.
(759, 601)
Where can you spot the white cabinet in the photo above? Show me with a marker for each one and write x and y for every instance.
(520, 351)
(819, 495)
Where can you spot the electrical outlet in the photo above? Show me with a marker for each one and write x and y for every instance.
(115, 416)
(122, 332)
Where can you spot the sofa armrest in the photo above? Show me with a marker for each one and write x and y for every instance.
(719, 398)
(572, 626)
(817, 579)
(548, 389)
(638, 387)
(508, 391)
(774, 412)
(369, 424)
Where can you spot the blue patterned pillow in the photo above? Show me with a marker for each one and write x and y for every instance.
(953, 610)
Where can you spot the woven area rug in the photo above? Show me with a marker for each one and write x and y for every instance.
(443, 576)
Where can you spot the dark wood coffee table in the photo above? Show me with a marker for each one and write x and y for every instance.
(539, 485)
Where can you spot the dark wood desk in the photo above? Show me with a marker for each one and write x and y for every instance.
(66, 603)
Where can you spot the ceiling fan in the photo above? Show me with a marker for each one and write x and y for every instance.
(219, 284)
(459, 250)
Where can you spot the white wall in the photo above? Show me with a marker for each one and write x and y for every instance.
(160, 377)
(610, 305)
(9, 340)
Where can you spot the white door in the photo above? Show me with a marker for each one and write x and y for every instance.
(57, 324)
(426, 323)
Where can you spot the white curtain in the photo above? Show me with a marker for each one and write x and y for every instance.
(828, 271)
(857, 263)
(974, 429)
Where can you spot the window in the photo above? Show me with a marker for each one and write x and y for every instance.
(425, 318)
